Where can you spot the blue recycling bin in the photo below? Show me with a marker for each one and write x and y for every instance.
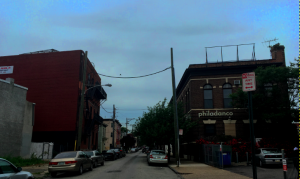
(226, 158)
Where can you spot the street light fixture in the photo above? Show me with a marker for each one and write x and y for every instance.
(109, 85)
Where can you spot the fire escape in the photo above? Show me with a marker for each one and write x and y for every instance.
(93, 95)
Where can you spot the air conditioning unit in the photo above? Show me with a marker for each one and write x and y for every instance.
(237, 82)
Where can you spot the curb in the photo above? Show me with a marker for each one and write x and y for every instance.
(176, 172)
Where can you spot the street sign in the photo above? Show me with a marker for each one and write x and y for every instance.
(284, 165)
(180, 131)
(249, 82)
(6, 69)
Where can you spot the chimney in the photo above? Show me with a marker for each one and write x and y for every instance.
(277, 52)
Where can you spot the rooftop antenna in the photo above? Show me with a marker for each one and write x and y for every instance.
(270, 41)
(270, 45)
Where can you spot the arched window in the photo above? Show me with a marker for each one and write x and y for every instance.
(208, 100)
(227, 90)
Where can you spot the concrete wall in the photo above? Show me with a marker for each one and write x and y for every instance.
(15, 119)
(42, 150)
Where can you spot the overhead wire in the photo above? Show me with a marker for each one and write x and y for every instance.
(135, 76)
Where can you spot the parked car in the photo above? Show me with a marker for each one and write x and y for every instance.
(96, 156)
(118, 153)
(73, 161)
(133, 150)
(122, 151)
(157, 156)
(109, 154)
(144, 149)
(267, 156)
(9, 170)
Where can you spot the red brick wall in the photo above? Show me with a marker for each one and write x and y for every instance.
(52, 82)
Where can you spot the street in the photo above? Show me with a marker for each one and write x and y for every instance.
(134, 165)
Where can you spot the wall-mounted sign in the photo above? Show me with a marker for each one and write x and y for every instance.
(180, 131)
(216, 113)
(6, 69)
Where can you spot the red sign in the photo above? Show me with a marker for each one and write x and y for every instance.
(180, 131)
(284, 165)
(249, 82)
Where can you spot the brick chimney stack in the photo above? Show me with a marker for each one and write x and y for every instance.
(277, 52)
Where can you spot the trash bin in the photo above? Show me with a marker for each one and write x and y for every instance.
(226, 158)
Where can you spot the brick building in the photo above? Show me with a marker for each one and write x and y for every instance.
(54, 80)
(204, 90)
(109, 134)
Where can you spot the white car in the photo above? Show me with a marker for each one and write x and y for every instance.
(132, 150)
(10, 171)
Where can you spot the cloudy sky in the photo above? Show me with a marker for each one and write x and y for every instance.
(134, 37)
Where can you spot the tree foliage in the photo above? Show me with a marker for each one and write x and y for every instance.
(157, 125)
(128, 140)
(276, 96)
(124, 130)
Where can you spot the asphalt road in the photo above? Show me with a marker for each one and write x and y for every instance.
(134, 165)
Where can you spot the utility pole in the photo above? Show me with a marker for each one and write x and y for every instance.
(79, 134)
(176, 129)
(113, 142)
(127, 122)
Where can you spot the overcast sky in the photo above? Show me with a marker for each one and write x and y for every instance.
(134, 37)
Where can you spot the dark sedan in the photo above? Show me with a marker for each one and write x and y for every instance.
(119, 154)
(96, 156)
(109, 154)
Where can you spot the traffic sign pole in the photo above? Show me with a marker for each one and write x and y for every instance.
(252, 135)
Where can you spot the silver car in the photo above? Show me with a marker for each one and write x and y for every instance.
(96, 156)
(10, 171)
(266, 156)
(72, 161)
(157, 156)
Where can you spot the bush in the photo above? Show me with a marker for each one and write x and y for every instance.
(22, 162)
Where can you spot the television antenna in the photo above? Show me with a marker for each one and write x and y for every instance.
(270, 41)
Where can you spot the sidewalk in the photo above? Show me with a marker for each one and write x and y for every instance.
(38, 171)
(190, 170)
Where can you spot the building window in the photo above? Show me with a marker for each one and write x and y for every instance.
(209, 129)
(227, 90)
(112, 124)
(208, 100)
(268, 89)
(111, 134)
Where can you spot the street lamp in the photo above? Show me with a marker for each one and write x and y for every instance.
(109, 85)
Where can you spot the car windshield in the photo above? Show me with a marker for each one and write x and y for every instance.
(269, 151)
(104, 151)
(158, 153)
(117, 150)
(66, 155)
(90, 153)
(109, 151)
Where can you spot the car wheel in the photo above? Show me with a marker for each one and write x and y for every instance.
(102, 163)
(95, 164)
(53, 174)
(91, 167)
(80, 171)
(149, 163)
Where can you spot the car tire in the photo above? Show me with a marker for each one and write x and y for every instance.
(53, 174)
(80, 171)
(149, 164)
(102, 163)
(95, 164)
(91, 167)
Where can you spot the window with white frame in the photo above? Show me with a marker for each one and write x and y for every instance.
(208, 99)
(227, 90)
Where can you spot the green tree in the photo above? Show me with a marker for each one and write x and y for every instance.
(276, 97)
(124, 129)
(156, 127)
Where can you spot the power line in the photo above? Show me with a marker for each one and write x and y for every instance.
(135, 76)
(105, 109)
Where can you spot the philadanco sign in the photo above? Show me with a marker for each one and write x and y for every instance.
(216, 113)
(6, 69)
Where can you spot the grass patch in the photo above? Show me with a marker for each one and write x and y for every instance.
(23, 162)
